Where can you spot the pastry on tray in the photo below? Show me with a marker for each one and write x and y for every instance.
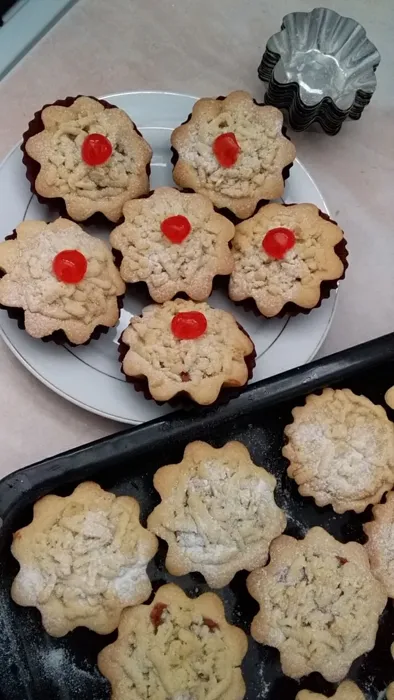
(341, 450)
(218, 513)
(319, 604)
(380, 544)
(84, 155)
(174, 242)
(83, 560)
(234, 151)
(287, 258)
(347, 690)
(178, 648)
(186, 347)
(59, 282)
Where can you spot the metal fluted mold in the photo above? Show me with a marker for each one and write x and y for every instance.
(320, 67)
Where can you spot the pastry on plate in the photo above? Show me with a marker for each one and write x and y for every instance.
(84, 156)
(341, 450)
(218, 513)
(380, 544)
(234, 151)
(82, 560)
(319, 604)
(184, 346)
(174, 242)
(287, 258)
(60, 282)
(347, 690)
(176, 648)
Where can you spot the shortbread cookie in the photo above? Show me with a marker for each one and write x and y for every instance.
(174, 242)
(60, 279)
(182, 346)
(389, 397)
(176, 648)
(218, 513)
(390, 692)
(286, 257)
(341, 450)
(347, 690)
(83, 560)
(380, 544)
(88, 155)
(234, 151)
(319, 604)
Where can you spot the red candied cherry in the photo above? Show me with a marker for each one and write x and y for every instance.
(176, 228)
(70, 266)
(277, 241)
(96, 149)
(226, 149)
(188, 325)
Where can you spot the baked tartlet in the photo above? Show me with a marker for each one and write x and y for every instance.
(287, 258)
(83, 560)
(319, 604)
(59, 282)
(234, 151)
(347, 690)
(176, 648)
(380, 544)
(341, 450)
(174, 242)
(85, 155)
(184, 346)
(218, 513)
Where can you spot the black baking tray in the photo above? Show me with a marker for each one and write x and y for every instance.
(34, 666)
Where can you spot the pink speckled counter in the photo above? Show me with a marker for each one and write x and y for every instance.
(205, 48)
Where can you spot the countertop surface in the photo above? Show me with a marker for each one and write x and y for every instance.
(205, 48)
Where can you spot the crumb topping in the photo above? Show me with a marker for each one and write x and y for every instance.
(341, 450)
(298, 275)
(169, 268)
(49, 304)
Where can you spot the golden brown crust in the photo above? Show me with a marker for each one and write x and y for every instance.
(168, 268)
(83, 560)
(48, 304)
(319, 604)
(199, 367)
(297, 277)
(347, 690)
(380, 544)
(86, 189)
(341, 450)
(176, 648)
(258, 172)
(218, 513)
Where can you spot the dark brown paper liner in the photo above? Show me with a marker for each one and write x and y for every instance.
(225, 211)
(59, 337)
(183, 399)
(57, 204)
(326, 287)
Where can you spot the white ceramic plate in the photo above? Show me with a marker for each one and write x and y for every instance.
(90, 376)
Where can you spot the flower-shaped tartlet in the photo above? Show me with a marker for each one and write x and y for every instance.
(233, 151)
(176, 648)
(175, 242)
(286, 258)
(184, 346)
(319, 604)
(87, 155)
(380, 544)
(218, 513)
(341, 450)
(83, 560)
(60, 279)
(347, 690)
